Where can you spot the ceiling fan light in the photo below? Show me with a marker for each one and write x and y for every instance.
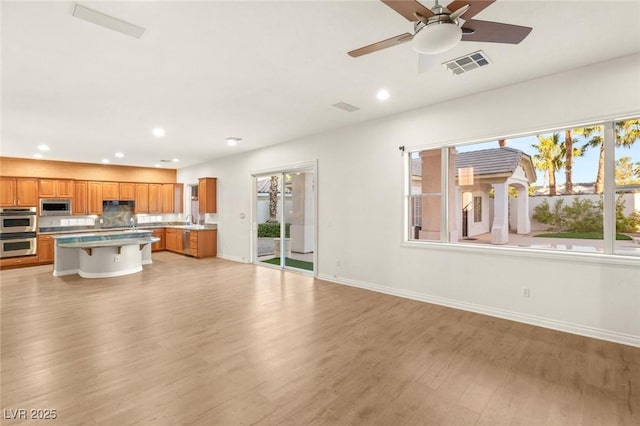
(437, 38)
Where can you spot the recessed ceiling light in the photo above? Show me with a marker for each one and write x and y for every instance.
(119, 154)
(158, 165)
(175, 160)
(382, 95)
(105, 161)
(43, 147)
(37, 155)
(158, 132)
(231, 141)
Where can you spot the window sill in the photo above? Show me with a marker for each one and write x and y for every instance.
(535, 253)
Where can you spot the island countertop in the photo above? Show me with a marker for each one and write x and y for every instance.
(81, 230)
(102, 254)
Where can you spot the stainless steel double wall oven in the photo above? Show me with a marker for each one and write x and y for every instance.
(18, 226)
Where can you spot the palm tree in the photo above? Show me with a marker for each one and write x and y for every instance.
(273, 200)
(627, 173)
(569, 152)
(549, 158)
(568, 162)
(627, 133)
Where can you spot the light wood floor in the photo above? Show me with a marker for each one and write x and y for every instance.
(214, 342)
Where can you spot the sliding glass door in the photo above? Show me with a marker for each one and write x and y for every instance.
(284, 219)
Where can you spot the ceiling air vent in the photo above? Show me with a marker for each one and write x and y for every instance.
(346, 107)
(467, 62)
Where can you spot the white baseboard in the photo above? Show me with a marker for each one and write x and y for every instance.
(581, 330)
(233, 258)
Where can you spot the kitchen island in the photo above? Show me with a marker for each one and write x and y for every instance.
(102, 255)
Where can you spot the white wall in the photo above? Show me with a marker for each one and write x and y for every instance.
(359, 183)
(631, 204)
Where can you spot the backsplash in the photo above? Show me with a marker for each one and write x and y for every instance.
(109, 219)
(115, 216)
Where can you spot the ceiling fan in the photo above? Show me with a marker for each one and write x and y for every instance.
(440, 28)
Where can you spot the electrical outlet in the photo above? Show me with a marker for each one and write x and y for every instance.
(525, 292)
(116, 258)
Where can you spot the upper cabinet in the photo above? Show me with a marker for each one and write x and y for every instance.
(155, 198)
(94, 198)
(110, 191)
(127, 191)
(178, 197)
(172, 197)
(167, 198)
(18, 192)
(87, 196)
(55, 188)
(80, 194)
(207, 195)
(142, 198)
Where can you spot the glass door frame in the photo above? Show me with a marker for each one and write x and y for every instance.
(309, 167)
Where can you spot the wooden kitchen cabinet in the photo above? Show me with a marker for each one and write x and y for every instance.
(167, 198)
(127, 191)
(18, 192)
(204, 243)
(8, 192)
(27, 192)
(200, 243)
(178, 198)
(16, 262)
(94, 198)
(47, 188)
(55, 188)
(207, 193)
(80, 193)
(155, 198)
(142, 198)
(173, 240)
(45, 249)
(160, 245)
(110, 191)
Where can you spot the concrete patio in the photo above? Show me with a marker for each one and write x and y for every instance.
(626, 247)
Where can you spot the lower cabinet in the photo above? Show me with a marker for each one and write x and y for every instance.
(197, 243)
(173, 240)
(15, 262)
(204, 243)
(45, 249)
(160, 245)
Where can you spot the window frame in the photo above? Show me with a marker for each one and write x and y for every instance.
(609, 256)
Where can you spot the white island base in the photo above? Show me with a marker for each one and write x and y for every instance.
(103, 255)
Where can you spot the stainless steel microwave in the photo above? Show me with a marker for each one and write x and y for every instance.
(55, 206)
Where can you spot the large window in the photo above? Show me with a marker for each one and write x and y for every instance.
(574, 189)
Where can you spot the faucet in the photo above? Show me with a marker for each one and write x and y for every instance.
(132, 222)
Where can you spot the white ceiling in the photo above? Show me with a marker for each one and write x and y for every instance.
(265, 71)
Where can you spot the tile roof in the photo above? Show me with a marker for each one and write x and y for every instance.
(490, 161)
(484, 162)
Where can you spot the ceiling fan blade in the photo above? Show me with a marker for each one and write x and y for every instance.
(475, 7)
(390, 42)
(407, 8)
(455, 15)
(494, 32)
